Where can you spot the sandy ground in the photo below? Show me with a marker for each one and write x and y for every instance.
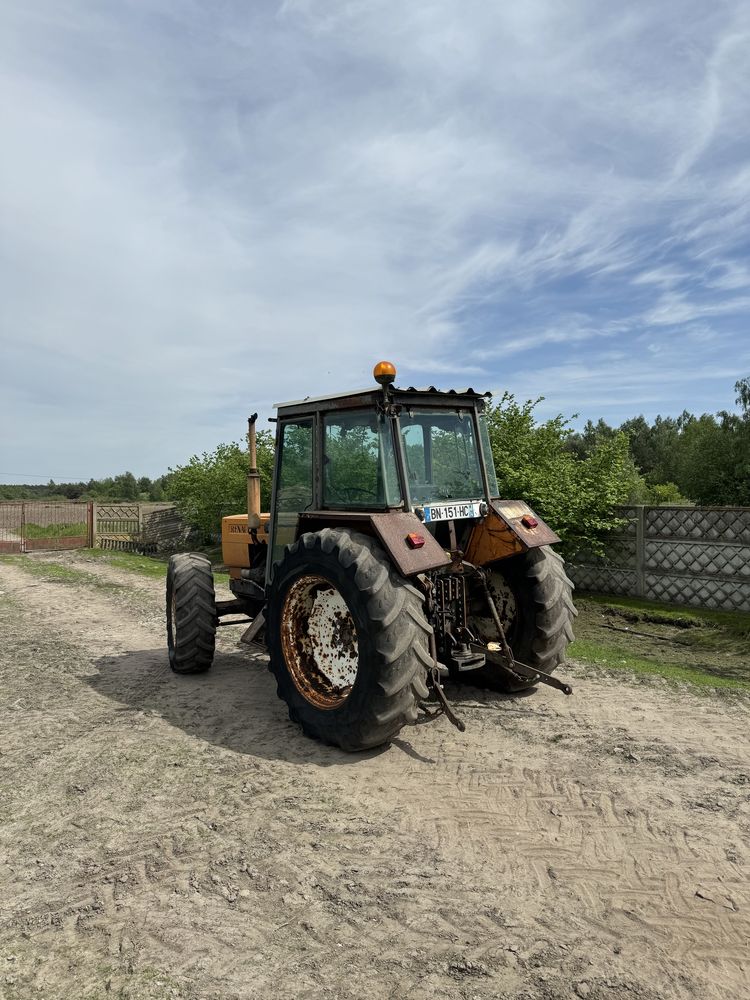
(178, 837)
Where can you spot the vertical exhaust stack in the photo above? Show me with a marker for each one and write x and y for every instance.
(253, 477)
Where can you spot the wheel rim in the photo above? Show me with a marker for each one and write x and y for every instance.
(319, 640)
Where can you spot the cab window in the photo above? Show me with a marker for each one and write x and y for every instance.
(359, 464)
(294, 490)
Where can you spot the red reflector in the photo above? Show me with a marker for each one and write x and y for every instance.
(414, 540)
(528, 521)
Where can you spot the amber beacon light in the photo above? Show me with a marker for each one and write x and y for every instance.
(384, 372)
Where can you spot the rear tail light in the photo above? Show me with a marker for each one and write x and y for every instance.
(414, 540)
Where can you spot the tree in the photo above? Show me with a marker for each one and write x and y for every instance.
(715, 459)
(742, 388)
(575, 494)
(214, 484)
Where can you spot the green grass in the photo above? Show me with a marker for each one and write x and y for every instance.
(79, 530)
(736, 623)
(614, 658)
(705, 648)
(57, 571)
(154, 567)
(151, 566)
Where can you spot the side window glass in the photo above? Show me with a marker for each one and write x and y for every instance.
(414, 452)
(294, 488)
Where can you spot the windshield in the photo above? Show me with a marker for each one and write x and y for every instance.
(442, 458)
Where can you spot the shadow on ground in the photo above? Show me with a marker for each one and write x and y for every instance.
(234, 705)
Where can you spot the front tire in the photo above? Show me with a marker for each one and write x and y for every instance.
(347, 639)
(191, 613)
(535, 602)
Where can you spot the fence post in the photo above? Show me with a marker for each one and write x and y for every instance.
(140, 524)
(94, 523)
(640, 551)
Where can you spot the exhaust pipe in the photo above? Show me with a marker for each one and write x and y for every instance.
(253, 477)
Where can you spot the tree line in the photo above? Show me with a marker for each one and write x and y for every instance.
(686, 459)
(125, 487)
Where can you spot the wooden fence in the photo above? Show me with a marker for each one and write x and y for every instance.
(30, 525)
(694, 556)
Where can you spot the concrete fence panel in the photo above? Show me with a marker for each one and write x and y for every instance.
(694, 556)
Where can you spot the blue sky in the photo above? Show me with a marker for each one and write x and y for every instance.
(207, 208)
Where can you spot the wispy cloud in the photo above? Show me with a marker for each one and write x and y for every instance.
(205, 209)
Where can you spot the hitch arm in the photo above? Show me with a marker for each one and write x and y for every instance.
(511, 664)
(522, 669)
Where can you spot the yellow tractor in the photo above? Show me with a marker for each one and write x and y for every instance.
(387, 563)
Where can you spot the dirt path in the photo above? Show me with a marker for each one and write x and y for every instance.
(177, 837)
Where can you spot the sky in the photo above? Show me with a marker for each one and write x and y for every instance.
(209, 208)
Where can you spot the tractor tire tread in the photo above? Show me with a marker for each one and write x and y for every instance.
(192, 634)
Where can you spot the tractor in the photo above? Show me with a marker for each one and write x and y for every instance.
(388, 563)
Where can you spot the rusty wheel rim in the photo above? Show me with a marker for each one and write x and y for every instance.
(319, 641)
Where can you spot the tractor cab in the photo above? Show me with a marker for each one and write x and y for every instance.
(418, 451)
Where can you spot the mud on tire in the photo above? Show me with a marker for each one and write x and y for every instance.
(542, 627)
(392, 639)
(191, 613)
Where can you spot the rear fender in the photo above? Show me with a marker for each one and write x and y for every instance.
(510, 527)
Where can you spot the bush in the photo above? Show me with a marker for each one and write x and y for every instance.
(575, 493)
(214, 484)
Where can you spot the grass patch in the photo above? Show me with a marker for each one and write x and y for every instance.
(79, 530)
(611, 658)
(701, 647)
(736, 623)
(154, 567)
(57, 572)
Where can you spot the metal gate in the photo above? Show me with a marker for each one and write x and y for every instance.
(11, 520)
(31, 525)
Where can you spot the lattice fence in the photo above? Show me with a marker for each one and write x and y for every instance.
(138, 527)
(696, 556)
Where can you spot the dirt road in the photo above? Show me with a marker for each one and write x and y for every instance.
(178, 837)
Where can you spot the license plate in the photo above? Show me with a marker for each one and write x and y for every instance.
(451, 511)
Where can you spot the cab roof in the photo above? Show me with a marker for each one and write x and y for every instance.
(372, 394)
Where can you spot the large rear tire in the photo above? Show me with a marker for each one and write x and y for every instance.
(191, 613)
(347, 639)
(535, 601)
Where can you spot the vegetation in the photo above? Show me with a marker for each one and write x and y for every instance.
(214, 484)
(701, 459)
(151, 566)
(575, 492)
(57, 572)
(124, 487)
(56, 530)
(701, 647)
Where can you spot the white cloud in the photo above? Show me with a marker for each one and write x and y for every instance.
(206, 209)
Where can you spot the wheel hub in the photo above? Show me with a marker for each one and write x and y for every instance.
(481, 621)
(319, 640)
